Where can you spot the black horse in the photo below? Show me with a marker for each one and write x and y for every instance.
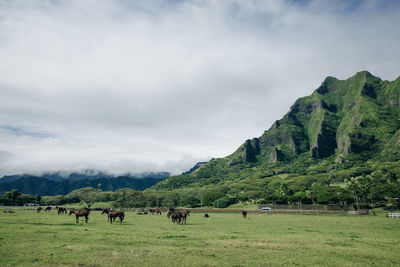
(169, 212)
(105, 210)
(176, 217)
(244, 213)
(61, 210)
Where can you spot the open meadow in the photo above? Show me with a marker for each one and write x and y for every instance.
(47, 239)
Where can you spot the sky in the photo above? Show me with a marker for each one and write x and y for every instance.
(137, 86)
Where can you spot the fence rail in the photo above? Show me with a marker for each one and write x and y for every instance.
(393, 215)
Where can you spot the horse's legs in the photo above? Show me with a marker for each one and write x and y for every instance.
(77, 218)
(111, 219)
(86, 218)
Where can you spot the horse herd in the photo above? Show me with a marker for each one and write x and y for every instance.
(60, 210)
(177, 217)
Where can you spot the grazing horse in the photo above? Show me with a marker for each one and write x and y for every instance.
(39, 209)
(176, 217)
(184, 215)
(156, 211)
(112, 214)
(206, 215)
(105, 210)
(47, 209)
(244, 213)
(81, 213)
(169, 212)
(8, 211)
(61, 210)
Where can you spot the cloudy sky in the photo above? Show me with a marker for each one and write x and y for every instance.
(132, 86)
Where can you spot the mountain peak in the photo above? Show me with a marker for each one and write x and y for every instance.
(363, 74)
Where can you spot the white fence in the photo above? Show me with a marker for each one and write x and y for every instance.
(393, 215)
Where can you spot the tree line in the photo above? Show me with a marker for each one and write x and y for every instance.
(358, 192)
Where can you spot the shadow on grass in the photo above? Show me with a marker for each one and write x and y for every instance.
(48, 224)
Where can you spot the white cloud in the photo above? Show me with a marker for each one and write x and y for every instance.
(129, 86)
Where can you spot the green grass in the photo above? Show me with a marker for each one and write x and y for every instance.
(31, 239)
(244, 205)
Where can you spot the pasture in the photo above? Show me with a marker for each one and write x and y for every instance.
(48, 239)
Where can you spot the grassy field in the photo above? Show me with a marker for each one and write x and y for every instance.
(31, 239)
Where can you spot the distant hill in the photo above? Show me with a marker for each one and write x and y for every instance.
(87, 174)
(57, 185)
(344, 136)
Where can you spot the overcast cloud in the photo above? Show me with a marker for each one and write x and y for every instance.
(120, 86)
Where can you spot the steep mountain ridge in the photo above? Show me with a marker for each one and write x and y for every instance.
(354, 120)
(344, 115)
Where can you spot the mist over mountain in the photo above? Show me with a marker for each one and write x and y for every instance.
(86, 174)
(61, 184)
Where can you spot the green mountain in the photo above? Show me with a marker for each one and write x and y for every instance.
(29, 184)
(344, 135)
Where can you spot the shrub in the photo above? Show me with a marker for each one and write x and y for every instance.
(221, 203)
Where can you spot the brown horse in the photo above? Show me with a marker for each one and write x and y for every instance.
(156, 211)
(61, 210)
(184, 215)
(244, 213)
(106, 211)
(112, 214)
(39, 209)
(80, 213)
(47, 209)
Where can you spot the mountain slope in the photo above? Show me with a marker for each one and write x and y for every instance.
(325, 138)
(42, 186)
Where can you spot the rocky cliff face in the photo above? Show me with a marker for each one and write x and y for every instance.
(340, 117)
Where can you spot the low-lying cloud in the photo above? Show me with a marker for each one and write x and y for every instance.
(123, 86)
